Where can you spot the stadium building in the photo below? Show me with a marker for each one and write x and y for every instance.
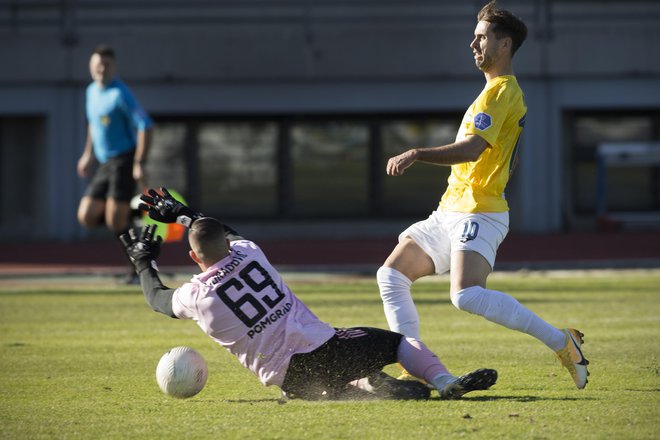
(281, 115)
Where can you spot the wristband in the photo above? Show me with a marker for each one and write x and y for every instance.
(141, 265)
(185, 220)
(188, 219)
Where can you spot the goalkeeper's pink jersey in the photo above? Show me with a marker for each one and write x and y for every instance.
(243, 304)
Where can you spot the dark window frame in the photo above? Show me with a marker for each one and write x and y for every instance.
(376, 162)
(576, 154)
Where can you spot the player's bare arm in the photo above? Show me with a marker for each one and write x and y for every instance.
(465, 150)
(87, 158)
(141, 151)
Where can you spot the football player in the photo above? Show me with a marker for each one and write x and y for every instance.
(462, 236)
(242, 303)
(118, 141)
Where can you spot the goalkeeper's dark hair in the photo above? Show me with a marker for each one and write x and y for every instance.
(505, 24)
(207, 238)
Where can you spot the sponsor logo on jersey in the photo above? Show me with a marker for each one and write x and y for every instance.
(482, 121)
(268, 320)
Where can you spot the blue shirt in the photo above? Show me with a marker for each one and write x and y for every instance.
(114, 118)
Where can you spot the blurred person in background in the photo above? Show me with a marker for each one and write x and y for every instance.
(118, 140)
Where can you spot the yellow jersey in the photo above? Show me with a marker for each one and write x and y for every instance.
(497, 116)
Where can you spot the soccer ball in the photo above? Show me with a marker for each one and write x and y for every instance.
(181, 372)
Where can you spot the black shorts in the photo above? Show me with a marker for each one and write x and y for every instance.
(114, 179)
(352, 353)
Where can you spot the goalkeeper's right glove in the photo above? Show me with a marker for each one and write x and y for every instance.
(142, 249)
(166, 209)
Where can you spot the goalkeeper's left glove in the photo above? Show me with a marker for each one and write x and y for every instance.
(164, 208)
(142, 250)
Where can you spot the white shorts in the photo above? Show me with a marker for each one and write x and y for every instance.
(446, 232)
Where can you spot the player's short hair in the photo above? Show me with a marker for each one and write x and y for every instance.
(104, 50)
(505, 24)
(207, 238)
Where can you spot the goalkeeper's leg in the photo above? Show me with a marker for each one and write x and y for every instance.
(419, 361)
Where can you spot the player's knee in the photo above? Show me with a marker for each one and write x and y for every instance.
(382, 278)
(82, 220)
(456, 298)
(382, 274)
(117, 216)
(87, 219)
(117, 226)
(391, 282)
(90, 212)
(461, 299)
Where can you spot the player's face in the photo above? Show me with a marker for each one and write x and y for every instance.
(102, 69)
(486, 48)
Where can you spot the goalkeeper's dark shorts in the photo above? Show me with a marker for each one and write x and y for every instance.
(352, 353)
(114, 179)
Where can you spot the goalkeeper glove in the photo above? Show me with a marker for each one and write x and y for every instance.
(166, 209)
(142, 250)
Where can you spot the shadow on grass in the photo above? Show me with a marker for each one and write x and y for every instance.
(251, 401)
(445, 300)
(520, 399)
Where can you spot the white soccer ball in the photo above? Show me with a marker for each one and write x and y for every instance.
(181, 372)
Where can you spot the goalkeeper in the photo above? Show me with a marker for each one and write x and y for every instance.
(243, 304)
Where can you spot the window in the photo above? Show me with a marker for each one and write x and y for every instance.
(330, 169)
(628, 188)
(311, 167)
(166, 164)
(22, 149)
(418, 190)
(238, 168)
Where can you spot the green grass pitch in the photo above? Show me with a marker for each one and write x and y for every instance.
(78, 360)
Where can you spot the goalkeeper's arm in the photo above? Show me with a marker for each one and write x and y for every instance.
(158, 296)
(231, 234)
(142, 250)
